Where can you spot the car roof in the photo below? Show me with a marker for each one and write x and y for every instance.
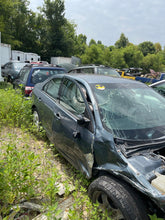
(90, 66)
(47, 67)
(15, 61)
(91, 78)
(41, 66)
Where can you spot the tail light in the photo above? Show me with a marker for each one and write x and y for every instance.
(28, 90)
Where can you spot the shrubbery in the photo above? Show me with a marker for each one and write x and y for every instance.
(15, 110)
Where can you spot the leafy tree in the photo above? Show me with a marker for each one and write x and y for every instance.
(162, 54)
(132, 56)
(27, 32)
(81, 45)
(115, 58)
(93, 54)
(147, 47)
(157, 47)
(54, 14)
(18, 25)
(60, 33)
(69, 39)
(8, 13)
(152, 61)
(92, 42)
(41, 32)
(122, 42)
(111, 48)
(99, 42)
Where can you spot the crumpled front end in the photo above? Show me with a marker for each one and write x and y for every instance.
(143, 169)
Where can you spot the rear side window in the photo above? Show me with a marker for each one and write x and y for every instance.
(107, 71)
(87, 70)
(52, 88)
(73, 71)
(24, 73)
(71, 98)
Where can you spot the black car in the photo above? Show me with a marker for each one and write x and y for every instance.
(11, 70)
(30, 75)
(96, 69)
(112, 130)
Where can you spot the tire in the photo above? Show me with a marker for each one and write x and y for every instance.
(117, 199)
(36, 119)
(9, 79)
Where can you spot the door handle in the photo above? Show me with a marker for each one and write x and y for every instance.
(57, 115)
(76, 134)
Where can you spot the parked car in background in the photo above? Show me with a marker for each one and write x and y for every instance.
(11, 70)
(113, 130)
(159, 87)
(33, 74)
(96, 69)
(39, 62)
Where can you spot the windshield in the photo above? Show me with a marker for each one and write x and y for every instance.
(131, 111)
(108, 71)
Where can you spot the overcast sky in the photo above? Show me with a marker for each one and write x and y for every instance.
(105, 20)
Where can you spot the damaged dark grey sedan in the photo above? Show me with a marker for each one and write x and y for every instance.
(112, 129)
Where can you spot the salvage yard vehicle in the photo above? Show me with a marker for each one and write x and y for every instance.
(113, 131)
(159, 87)
(96, 69)
(147, 78)
(32, 74)
(11, 70)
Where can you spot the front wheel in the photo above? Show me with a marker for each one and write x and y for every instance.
(117, 199)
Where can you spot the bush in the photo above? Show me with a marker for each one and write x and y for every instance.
(15, 110)
(17, 179)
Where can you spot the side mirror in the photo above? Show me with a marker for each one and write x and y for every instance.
(82, 120)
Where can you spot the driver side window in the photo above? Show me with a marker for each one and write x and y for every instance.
(71, 98)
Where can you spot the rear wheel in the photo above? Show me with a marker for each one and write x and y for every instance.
(36, 119)
(9, 79)
(117, 199)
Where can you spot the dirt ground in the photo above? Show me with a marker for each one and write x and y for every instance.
(49, 159)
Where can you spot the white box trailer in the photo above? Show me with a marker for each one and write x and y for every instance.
(18, 55)
(60, 60)
(32, 57)
(5, 53)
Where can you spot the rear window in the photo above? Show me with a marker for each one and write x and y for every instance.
(107, 71)
(40, 75)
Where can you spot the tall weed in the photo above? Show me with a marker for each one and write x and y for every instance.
(17, 176)
(15, 110)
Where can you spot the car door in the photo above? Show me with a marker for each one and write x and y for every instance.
(77, 135)
(46, 104)
(68, 122)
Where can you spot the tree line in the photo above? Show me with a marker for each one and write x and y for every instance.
(49, 34)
